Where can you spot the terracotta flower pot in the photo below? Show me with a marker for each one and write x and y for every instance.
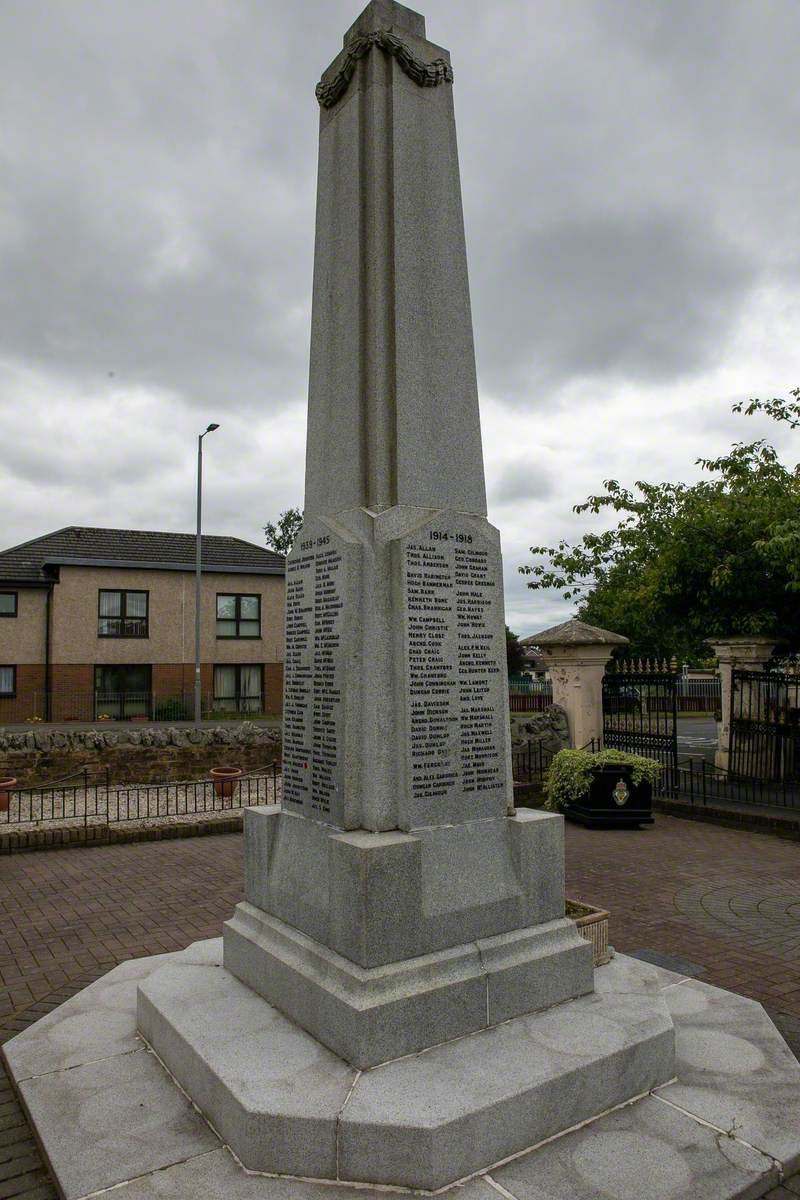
(225, 780)
(5, 795)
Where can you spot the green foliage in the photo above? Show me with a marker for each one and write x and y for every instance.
(515, 653)
(570, 773)
(689, 562)
(779, 410)
(280, 536)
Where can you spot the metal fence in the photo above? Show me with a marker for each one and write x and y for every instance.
(701, 783)
(698, 695)
(88, 707)
(765, 726)
(87, 797)
(529, 763)
(536, 696)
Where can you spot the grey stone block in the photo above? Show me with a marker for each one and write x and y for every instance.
(207, 953)
(271, 1091)
(379, 897)
(370, 1015)
(365, 1016)
(375, 909)
(537, 847)
(428, 1120)
(735, 1070)
(644, 1151)
(109, 1121)
(277, 875)
(98, 1022)
(260, 825)
(532, 969)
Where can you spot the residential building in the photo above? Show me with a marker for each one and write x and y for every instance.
(99, 623)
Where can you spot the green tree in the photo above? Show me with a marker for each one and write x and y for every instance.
(688, 562)
(280, 536)
(781, 546)
(515, 653)
(778, 409)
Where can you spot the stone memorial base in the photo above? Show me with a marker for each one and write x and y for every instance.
(276, 1116)
(399, 941)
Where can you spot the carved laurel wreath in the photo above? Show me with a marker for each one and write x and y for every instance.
(425, 74)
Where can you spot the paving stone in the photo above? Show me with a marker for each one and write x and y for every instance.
(679, 966)
(109, 1121)
(735, 1070)
(98, 1022)
(216, 1176)
(645, 1151)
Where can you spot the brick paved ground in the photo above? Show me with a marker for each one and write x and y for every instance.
(725, 900)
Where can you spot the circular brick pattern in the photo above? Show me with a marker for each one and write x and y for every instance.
(762, 910)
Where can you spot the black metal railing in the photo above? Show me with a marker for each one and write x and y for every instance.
(702, 784)
(765, 726)
(529, 763)
(87, 797)
(640, 716)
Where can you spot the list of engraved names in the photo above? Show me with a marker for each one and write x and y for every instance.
(313, 694)
(454, 673)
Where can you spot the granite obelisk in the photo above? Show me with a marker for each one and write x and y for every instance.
(394, 901)
(396, 841)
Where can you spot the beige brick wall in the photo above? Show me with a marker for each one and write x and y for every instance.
(171, 618)
(22, 638)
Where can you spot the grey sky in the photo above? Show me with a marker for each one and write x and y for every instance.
(630, 176)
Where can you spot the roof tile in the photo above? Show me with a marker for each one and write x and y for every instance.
(25, 563)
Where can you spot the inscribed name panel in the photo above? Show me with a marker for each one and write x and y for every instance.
(322, 589)
(455, 678)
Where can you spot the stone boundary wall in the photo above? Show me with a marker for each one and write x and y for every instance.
(110, 835)
(150, 754)
(549, 728)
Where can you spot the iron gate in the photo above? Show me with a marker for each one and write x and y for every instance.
(640, 715)
(765, 725)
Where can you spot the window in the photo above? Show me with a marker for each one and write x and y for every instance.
(8, 681)
(122, 614)
(238, 616)
(8, 604)
(122, 692)
(237, 688)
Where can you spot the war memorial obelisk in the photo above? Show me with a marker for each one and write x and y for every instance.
(395, 901)
(400, 1000)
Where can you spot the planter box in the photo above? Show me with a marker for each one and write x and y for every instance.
(613, 800)
(592, 925)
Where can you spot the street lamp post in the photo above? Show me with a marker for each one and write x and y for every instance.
(198, 570)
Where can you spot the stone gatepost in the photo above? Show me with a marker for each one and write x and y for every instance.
(577, 655)
(745, 653)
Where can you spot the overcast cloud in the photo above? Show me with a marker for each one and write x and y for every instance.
(630, 177)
